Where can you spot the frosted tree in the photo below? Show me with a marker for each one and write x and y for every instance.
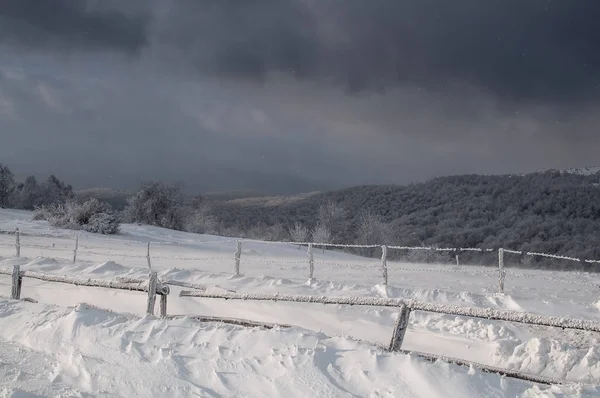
(201, 220)
(332, 216)
(299, 233)
(7, 185)
(371, 230)
(157, 204)
(321, 234)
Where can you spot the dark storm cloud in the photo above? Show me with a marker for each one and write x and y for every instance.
(535, 49)
(70, 24)
(350, 91)
(540, 50)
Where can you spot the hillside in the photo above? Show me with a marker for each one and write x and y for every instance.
(553, 212)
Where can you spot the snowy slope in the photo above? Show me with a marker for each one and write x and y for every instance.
(315, 358)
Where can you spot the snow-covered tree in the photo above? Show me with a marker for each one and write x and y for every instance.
(157, 204)
(200, 220)
(91, 216)
(371, 230)
(321, 234)
(299, 233)
(332, 216)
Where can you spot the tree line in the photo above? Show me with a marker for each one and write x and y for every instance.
(551, 212)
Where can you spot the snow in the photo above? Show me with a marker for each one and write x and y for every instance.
(81, 341)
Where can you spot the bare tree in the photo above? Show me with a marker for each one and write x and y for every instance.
(321, 234)
(332, 216)
(201, 220)
(299, 233)
(371, 230)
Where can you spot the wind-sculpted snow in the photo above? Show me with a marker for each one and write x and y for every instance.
(85, 351)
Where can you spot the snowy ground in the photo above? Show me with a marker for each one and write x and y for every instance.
(61, 347)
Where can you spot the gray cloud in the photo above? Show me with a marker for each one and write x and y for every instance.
(226, 94)
(70, 25)
(540, 50)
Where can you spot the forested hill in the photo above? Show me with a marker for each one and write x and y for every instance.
(553, 212)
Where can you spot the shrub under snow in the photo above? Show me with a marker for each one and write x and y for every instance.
(91, 216)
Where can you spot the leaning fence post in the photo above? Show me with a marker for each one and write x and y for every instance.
(400, 327)
(238, 256)
(384, 264)
(18, 243)
(311, 264)
(152, 293)
(16, 282)
(501, 271)
(148, 257)
(162, 308)
(76, 247)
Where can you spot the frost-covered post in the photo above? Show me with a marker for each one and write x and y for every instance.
(384, 269)
(400, 328)
(311, 263)
(457, 260)
(238, 256)
(148, 257)
(76, 247)
(16, 282)
(162, 308)
(152, 293)
(18, 243)
(501, 271)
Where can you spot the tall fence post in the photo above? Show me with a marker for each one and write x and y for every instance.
(238, 256)
(152, 293)
(18, 243)
(148, 257)
(311, 264)
(384, 269)
(163, 306)
(17, 280)
(400, 327)
(76, 247)
(501, 271)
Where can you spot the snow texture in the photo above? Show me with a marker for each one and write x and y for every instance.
(77, 349)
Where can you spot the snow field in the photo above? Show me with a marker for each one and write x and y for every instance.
(544, 351)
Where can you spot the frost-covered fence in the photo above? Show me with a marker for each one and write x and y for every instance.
(405, 308)
(313, 264)
(152, 286)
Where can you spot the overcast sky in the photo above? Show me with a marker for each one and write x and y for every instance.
(296, 94)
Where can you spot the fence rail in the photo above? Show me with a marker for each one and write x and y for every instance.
(405, 308)
(237, 259)
(152, 286)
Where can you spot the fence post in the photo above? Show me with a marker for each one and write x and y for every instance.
(16, 283)
(457, 260)
(501, 271)
(384, 269)
(238, 256)
(152, 293)
(18, 243)
(76, 247)
(148, 257)
(163, 306)
(400, 327)
(311, 264)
